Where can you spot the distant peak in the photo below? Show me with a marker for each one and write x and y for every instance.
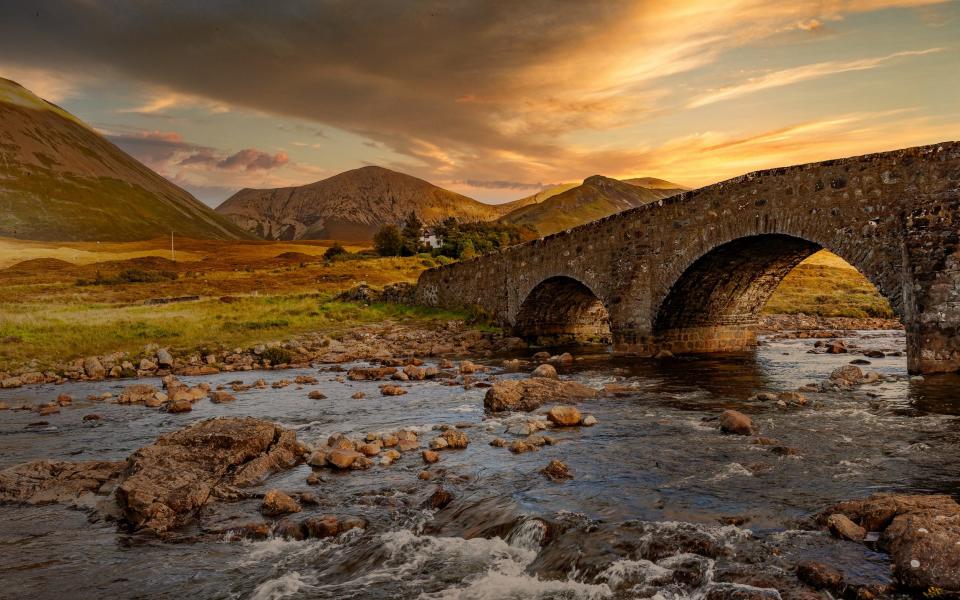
(598, 180)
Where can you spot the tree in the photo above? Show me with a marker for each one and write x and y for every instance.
(388, 241)
(468, 251)
(334, 251)
(412, 232)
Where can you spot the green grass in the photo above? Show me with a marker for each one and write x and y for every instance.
(51, 333)
(828, 291)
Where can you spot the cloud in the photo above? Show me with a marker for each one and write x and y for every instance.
(505, 185)
(799, 74)
(492, 91)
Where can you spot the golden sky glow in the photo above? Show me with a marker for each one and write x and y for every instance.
(492, 99)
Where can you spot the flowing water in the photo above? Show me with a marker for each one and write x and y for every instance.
(660, 504)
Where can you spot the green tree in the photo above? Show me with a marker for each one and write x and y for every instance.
(468, 251)
(388, 241)
(412, 232)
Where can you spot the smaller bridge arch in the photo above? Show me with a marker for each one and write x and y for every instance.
(560, 310)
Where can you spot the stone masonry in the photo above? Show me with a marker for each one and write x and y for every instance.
(690, 273)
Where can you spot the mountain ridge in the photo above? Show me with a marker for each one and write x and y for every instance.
(61, 180)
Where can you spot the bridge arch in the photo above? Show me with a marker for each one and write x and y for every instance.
(562, 310)
(716, 300)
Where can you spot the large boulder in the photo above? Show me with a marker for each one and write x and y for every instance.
(531, 394)
(93, 368)
(920, 533)
(166, 482)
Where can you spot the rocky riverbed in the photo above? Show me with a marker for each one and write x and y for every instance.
(397, 473)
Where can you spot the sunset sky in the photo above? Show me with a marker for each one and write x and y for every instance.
(491, 99)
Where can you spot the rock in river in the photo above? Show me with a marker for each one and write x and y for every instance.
(44, 481)
(531, 394)
(732, 421)
(166, 482)
(920, 533)
(564, 416)
(546, 370)
(276, 503)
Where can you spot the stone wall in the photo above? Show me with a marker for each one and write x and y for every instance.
(691, 272)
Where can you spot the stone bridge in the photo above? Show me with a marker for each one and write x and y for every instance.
(690, 273)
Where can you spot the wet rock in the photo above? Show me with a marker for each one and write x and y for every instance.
(836, 347)
(221, 396)
(512, 365)
(764, 397)
(564, 359)
(859, 361)
(739, 591)
(290, 530)
(499, 443)
(314, 479)
(316, 395)
(91, 417)
(407, 445)
(438, 443)
(361, 463)
(48, 409)
(179, 406)
(371, 449)
(343, 458)
(64, 400)
(846, 375)
(258, 530)
(920, 533)
(557, 471)
(546, 371)
(564, 416)
(392, 390)
(389, 457)
(322, 527)
(137, 393)
(439, 499)
(93, 368)
(317, 459)
(164, 358)
(276, 503)
(424, 475)
(430, 456)
(455, 439)
(842, 527)
(819, 575)
(358, 395)
(531, 394)
(874, 354)
(589, 421)
(468, 368)
(795, 398)
(520, 446)
(735, 422)
(166, 482)
(370, 374)
(45, 482)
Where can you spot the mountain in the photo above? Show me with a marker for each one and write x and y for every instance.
(62, 181)
(595, 198)
(548, 192)
(350, 206)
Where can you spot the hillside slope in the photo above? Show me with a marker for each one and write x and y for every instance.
(60, 180)
(350, 206)
(595, 198)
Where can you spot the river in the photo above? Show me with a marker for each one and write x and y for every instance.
(660, 503)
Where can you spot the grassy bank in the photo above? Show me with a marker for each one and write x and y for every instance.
(51, 333)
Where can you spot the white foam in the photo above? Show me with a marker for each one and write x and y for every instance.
(281, 587)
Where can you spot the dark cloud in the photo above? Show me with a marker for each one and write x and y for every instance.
(159, 149)
(250, 159)
(412, 76)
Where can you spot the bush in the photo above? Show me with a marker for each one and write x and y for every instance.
(388, 241)
(277, 356)
(334, 251)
